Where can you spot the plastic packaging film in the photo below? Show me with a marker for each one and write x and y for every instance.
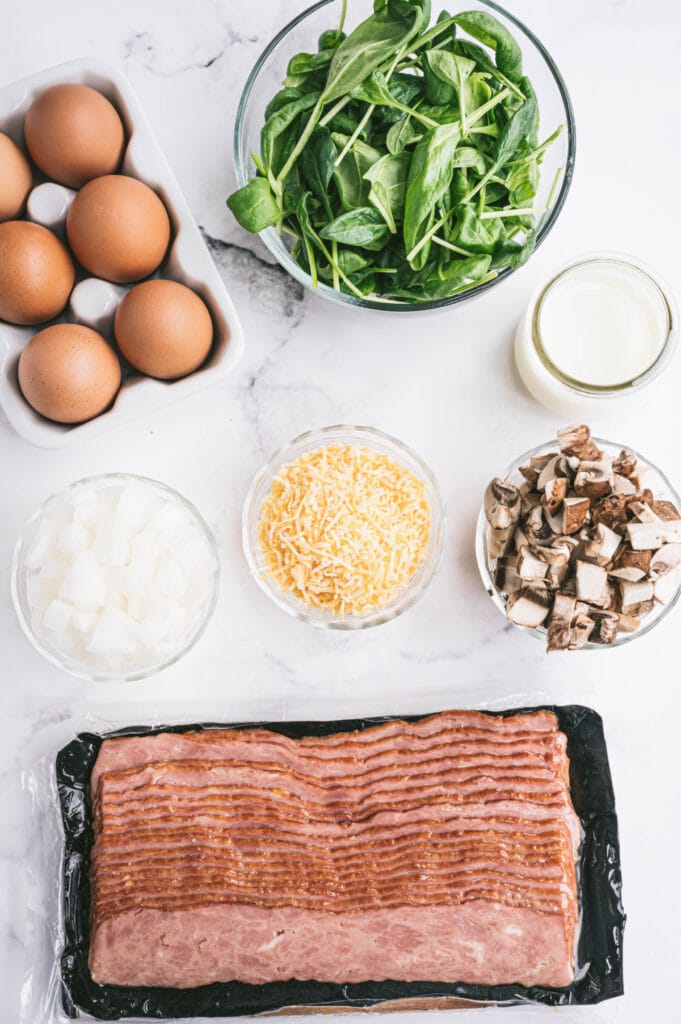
(58, 986)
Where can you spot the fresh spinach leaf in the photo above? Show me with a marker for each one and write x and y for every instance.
(364, 227)
(388, 180)
(467, 156)
(317, 163)
(438, 91)
(277, 126)
(373, 42)
(515, 131)
(281, 99)
(349, 174)
(400, 135)
(330, 40)
(430, 173)
(451, 277)
(254, 206)
(475, 234)
(488, 30)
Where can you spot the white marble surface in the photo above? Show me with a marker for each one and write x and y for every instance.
(444, 383)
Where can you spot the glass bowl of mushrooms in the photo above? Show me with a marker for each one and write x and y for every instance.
(579, 542)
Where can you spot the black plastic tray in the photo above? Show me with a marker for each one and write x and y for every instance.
(599, 955)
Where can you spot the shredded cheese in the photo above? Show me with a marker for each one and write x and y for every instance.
(344, 529)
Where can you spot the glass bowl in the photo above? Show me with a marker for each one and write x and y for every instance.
(301, 34)
(486, 565)
(122, 668)
(365, 437)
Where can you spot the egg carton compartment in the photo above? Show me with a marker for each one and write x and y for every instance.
(93, 303)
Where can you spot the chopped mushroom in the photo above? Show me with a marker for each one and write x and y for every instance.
(629, 564)
(554, 494)
(625, 464)
(502, 511)
(665, 559)
(666, 587)
(529, 606)
(502, 504)
(611, 511)
(575, 511)
(584, 546)
(628, 623)
(606, 625)
(644, 536)
(594, 479)
(633, 595)
(559, 633)
(602, 545)
(506, 578)
(576, 440)
(530, 566)
(582, 629)
(669, 516)
(531, 475)
(592, 583)
(623, 485)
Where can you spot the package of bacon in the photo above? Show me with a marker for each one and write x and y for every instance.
(452, 860)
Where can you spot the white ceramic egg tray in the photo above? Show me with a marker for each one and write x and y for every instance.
(187, 261)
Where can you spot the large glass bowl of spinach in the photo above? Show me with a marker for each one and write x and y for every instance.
(403, 155)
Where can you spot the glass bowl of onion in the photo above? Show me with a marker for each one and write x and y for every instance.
(344, 528)
(115, 577)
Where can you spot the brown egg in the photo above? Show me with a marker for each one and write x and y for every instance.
(118, 228)
(15, 179)
(36, 273)
(164, 329)
(74, 134)
(69, 373)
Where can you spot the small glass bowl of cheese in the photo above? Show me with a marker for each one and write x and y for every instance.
(344, 527)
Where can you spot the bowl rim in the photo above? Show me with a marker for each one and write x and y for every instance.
(425, 574)
(114, 676)
(484, 563)
(394, 306)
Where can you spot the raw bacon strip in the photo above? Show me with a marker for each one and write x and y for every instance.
(389, 739)
(458, 811)
(478, 942)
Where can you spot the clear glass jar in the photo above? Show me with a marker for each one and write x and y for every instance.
(562, 393)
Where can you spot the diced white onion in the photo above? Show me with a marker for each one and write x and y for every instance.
(119, 577)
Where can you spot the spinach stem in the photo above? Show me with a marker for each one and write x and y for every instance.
(479, 112)
(355, 135)
(448, 245)
(302, 141)
(341, 23)
(335, 109)
(510, 211)
(431, 34)
(334, 265)
(522, 211)
(475, 284)
(311, 260)
(529, 157)
(413, 112)
(429, 234)
(388, 68)
(554, 188)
